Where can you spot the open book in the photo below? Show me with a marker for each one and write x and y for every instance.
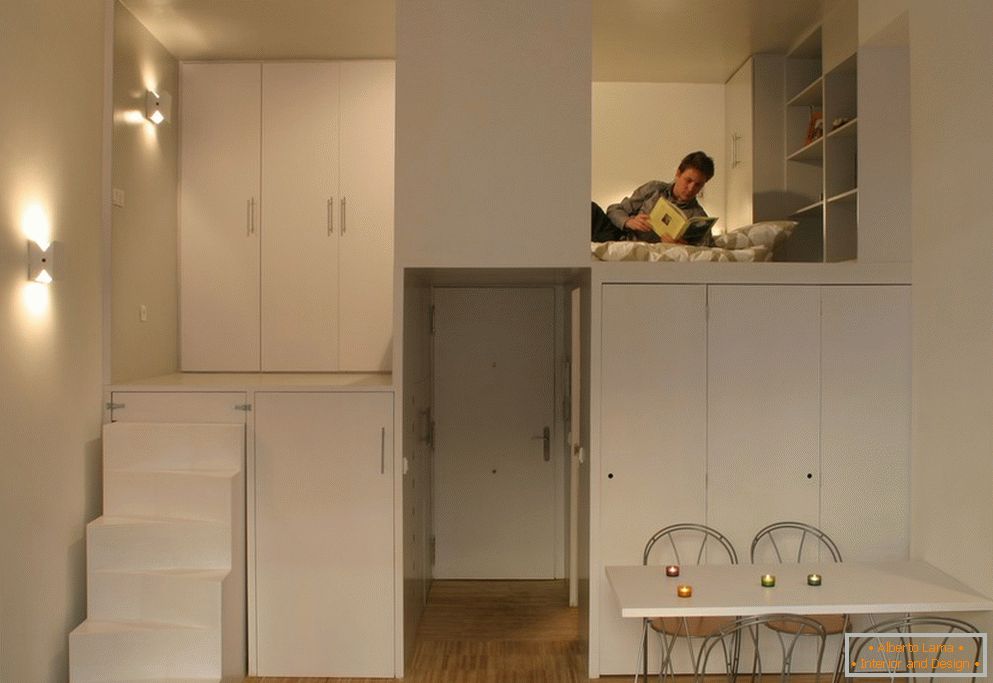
(667, 219)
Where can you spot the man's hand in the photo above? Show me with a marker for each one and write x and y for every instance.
(639, 223)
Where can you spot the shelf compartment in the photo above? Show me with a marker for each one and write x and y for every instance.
(812, 95)
(846, 130)
(813, 151)
(848, 197)
(809, 209)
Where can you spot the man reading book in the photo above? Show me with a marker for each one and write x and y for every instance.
(629, 218)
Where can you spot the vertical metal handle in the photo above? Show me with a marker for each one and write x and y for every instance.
(382, 450)
(331, 216)
(734, 150)
(248, 214)
(546, 437)
(342, 215)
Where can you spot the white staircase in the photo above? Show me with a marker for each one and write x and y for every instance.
(165, 592)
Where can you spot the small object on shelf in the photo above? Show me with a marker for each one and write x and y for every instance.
(672, 570)
(684, 591)
(768, 580)
(813, 579)
(839, 122)
(815, 128)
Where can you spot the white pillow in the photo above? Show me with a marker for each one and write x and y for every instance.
(768, 234)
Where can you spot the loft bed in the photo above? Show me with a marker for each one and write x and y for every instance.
(747, 244)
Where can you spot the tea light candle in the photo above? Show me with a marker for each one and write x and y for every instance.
(672, 570)
(813, 579)
(684, 591)
(768, 580)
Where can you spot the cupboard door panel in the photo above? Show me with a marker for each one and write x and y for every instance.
(324, 534)
(764, 408)
(219, 204)
(299, 223)
(366, 262)
(653, 434)
(865, 442)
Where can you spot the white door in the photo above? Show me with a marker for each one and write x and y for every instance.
(299, 202)
(494, 468)
(219, 217)
(653, 426)
(366, 215)
(764, 408)
(324, 534)
(738, 120)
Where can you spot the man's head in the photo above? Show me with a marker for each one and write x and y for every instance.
(693, 173)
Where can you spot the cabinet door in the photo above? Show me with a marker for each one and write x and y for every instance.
(865, 443)
(324, 534)
(764, 408)
(653, 434)
(738, 120)
(366, 259)
(219, 205)
(299, 226)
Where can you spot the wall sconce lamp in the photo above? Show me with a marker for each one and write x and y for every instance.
(44, 264)
(158, 106)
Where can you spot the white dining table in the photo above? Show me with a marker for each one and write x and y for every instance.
(911, 586)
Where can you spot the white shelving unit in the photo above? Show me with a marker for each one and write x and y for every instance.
(821, 171)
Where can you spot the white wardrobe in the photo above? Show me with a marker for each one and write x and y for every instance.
(286, 216)
(740, 405)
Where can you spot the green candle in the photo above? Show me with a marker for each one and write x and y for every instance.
(768, 580)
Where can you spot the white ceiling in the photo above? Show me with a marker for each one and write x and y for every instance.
(695, 41)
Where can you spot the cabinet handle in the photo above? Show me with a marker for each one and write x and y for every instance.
(331, 216)
(382, 450)
(342, 215)
(734, 150)
(248, 214)
(546, 437)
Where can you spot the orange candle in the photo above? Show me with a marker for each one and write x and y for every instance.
(684, 591)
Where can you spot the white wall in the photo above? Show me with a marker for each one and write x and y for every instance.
(493, 121)
(145, 167)
(952, 465)
(51, 106)
(641, 131)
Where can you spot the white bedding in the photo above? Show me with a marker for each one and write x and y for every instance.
(643, 251)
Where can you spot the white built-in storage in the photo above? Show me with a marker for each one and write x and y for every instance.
(740, 405)
(286, 213)
(822, 141)
(753, 99)
(324, 575)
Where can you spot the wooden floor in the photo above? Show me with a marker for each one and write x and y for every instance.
(498, 632)
(491, 632)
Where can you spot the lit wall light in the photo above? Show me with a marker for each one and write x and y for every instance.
(158, 106)
(44, 263)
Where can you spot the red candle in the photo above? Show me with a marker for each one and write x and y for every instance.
(672, 570)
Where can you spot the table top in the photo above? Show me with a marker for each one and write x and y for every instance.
(847, 588)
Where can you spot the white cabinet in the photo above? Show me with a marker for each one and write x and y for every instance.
(324, 566)
(313, 207)
(740, 405)
(754, 123)
(219, 202)
(653, 433)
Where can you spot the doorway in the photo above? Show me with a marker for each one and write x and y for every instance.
(499, 461)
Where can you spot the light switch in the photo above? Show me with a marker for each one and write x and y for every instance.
(117, 197)
(143, 313)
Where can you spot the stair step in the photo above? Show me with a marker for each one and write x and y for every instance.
(187, 597)
(119, 542)
(173, 446)
(141, 650)
(189, 494)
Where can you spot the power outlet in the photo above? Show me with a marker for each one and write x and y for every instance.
(117, 197)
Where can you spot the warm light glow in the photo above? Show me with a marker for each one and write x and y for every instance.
(36, 226)
(132, 116)
(36, 298)
(157, 117)
(44, 278)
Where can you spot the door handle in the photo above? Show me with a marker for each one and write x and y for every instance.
(342, 228)
(331, 216)
(735, 161)
(546, 436)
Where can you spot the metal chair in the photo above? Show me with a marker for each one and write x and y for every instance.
(918, 633)
(794, 542)
(727, 642)
(683, 544)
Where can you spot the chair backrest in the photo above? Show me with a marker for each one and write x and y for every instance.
(727, 641)
(792, 542)
(924, 641)
(688, 544)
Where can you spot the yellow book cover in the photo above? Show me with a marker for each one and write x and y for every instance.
(668, 220)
